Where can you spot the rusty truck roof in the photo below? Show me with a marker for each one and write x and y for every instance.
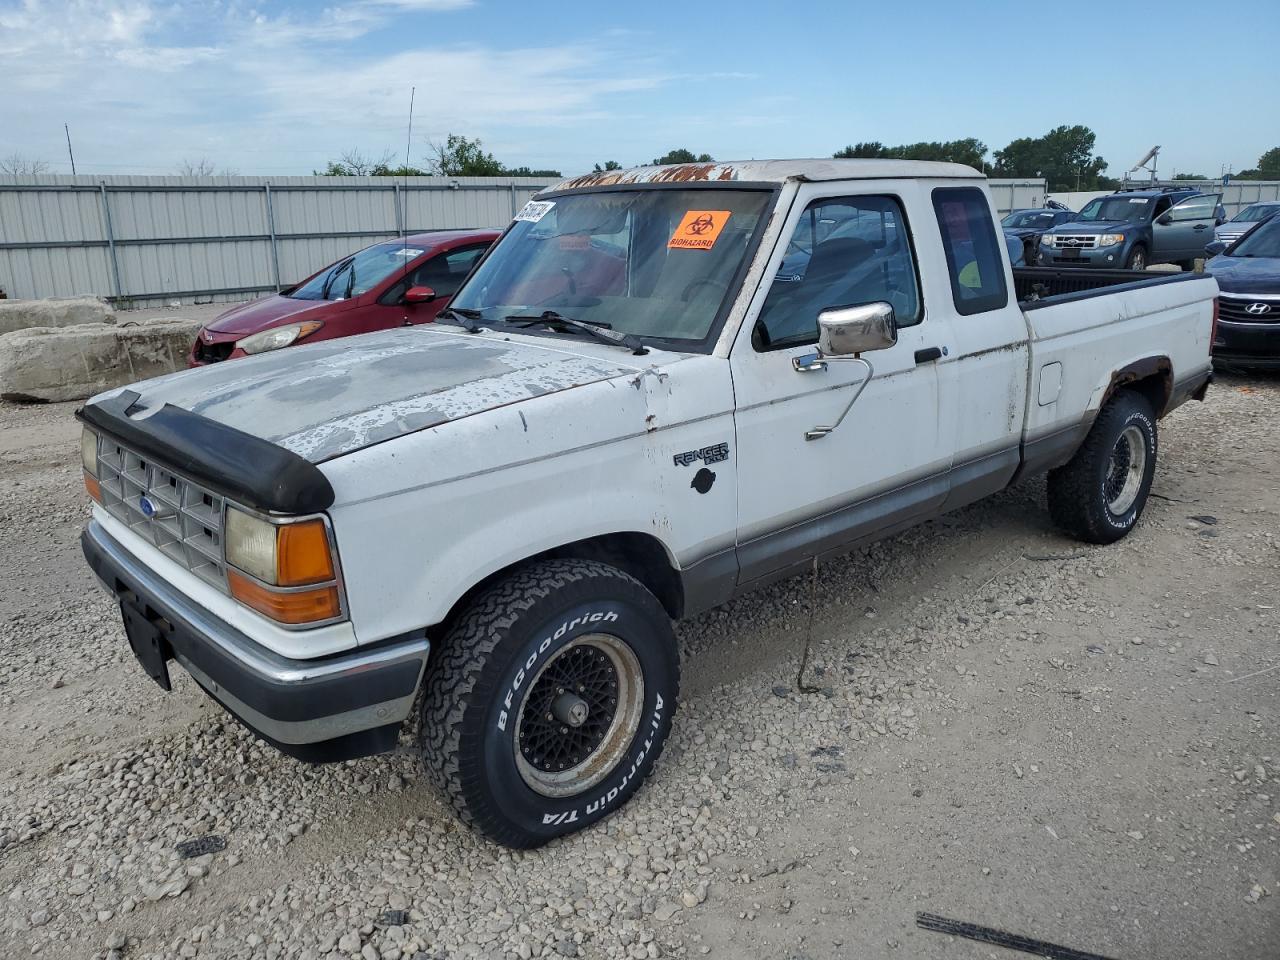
(771, 171)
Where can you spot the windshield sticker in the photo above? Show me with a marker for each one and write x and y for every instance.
(407, 252)
(1137, 200)
(535, 210)
(699, 230)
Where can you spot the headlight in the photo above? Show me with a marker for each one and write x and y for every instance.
(292, 572)
(89, 460)
(89, 451)
(1110, 239)
(278, 337)
(1046, 240)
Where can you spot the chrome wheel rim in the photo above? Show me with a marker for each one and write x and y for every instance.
(579, 715)
(1124, 471)
(1139, 261)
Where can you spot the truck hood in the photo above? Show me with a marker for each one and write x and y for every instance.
(1246, 274)
(327, 399)
(1091, 226)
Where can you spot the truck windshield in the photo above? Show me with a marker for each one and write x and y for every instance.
(657, 263)
(1113, 209)
(358, 273)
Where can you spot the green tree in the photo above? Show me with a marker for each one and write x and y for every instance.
(1189, 176)
(353, 163)
(461, 156)
(1063, 156)
(528, 172)
(969, 151)
(681, 155)
(1268, 167)
(608, 165)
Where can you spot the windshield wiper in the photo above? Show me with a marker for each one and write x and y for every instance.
(466, 317)
(333, 275)
(598, 330)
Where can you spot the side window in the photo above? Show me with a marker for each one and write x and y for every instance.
(1162, 206)
(973, 253)
(844, 251)
(445, 273)
(1195, 208)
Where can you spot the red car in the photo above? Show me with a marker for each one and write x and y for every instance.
(390, 284)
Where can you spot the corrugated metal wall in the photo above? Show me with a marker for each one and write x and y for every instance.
(140, 240)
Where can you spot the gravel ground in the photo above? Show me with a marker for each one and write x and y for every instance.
(1072, 743)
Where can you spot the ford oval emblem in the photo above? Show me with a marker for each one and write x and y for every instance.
(147, 507)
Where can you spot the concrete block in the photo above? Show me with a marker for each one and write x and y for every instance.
(24, 314)
(71, 363)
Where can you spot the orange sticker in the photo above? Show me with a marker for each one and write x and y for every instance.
(699, 230)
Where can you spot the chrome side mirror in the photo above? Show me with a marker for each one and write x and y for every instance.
(846, 331)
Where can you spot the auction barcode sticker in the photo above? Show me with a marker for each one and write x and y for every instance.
(535, 210)
(699, 230)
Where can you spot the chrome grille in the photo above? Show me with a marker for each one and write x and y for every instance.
(185, 522)
(1076, 241)
(1248, 310)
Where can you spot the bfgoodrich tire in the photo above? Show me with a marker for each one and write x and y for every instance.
(550, 700)
(1099, 494)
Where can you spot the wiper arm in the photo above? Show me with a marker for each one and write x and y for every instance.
(333, 275)
(466, 317)
(602, 333)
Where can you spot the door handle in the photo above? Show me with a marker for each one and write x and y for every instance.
(1201, 226)
(809, 363)
(928, 354)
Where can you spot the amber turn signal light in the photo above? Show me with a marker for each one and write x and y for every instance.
(295, 607)
(302, 554)
(92, 487)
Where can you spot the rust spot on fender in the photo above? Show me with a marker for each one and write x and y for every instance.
(1159, 369)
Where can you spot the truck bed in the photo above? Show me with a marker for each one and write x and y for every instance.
(1038, 285)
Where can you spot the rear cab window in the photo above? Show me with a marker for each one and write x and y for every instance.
(973, 252)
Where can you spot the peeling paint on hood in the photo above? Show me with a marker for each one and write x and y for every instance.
(327, 399)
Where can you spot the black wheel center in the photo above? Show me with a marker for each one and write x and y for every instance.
(1118, 470)
(569, 710)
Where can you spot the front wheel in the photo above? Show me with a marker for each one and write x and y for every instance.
(550, 701)
(1099, 494)
(1137, 259)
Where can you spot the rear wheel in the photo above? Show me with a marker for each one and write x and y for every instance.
(1137, 258)
(550, 700)
(1099, 495)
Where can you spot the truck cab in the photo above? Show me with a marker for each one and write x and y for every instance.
(1133, 229)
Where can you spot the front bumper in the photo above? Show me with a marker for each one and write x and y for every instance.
(1112, 257)
(333, 708)
(1247, 344)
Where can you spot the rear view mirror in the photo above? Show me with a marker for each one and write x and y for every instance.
(1214, 248)
(846, 331)
(419, 295)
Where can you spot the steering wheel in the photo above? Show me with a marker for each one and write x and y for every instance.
(687, 295)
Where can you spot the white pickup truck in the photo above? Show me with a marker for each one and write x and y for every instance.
(660, 388)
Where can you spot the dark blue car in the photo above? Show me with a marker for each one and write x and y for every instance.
(1134, 229)
(1248, 275)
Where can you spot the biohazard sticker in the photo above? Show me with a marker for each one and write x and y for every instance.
(699, 230)
(535, 210)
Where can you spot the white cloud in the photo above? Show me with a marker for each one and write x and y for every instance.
(145, 84)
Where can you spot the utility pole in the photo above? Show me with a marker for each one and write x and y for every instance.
(69, 153)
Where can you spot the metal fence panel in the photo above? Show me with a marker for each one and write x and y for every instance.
(144, 239)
